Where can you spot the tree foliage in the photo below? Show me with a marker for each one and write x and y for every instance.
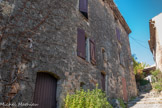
(138, 68)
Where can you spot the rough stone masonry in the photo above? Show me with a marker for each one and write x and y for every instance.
(41, 36)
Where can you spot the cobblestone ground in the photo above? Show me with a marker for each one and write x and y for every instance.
(146, 100)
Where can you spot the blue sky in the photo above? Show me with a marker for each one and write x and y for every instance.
(137, 14)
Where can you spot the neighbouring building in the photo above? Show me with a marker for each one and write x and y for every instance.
(147, 70)
(155, 41)
(49, 48)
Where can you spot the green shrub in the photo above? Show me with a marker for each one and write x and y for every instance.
(87, 99)
(138, 69)
(157, 80)
(157, 75)
(143, 82)
(121, 103)
(157, 86)
(132, 98)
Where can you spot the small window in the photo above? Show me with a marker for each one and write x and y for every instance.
(104, 58)
(82, 85)
(83, 7)
(104, 55)
(85, 47)
(92, 52)
(103, 81)
(118, 34)
(121, 59)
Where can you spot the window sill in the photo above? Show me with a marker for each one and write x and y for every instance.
(81, 14)
(81, 60)
(119, 42)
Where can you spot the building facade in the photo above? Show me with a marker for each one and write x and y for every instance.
(155, 41)
(53, 47)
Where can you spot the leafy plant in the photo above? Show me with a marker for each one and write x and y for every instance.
(157, 86)
(157, 75)
(121, 103)
(157, 80)
(87, 99)
(132, 98)
(143, 82)
(138, 69)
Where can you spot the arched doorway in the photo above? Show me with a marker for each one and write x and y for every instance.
(45, 91)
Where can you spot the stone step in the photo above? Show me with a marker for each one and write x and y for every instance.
(146, 101)
(145, 106)
(143, 100)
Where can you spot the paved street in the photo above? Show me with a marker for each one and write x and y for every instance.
(146, 100)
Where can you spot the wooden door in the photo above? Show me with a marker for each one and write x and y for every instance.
(45, 91)
(124, 89)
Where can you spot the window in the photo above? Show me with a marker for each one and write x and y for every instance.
(104, 58)
(92, 52)
(85, 47)
(103, 81)
(82, 85)
(118, 34)
(154, 55)
(121, 59)
(104, 55)
(83, 7)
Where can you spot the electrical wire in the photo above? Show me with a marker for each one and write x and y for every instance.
(137, 41)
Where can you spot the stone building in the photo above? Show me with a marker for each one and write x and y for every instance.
(155, 41)
(53, 47)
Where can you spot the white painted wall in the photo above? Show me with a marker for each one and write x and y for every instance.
(158, 50)
(158, 25)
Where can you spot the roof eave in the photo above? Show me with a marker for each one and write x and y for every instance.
(119, 16)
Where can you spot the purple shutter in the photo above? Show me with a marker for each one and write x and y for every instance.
(83, 6)
(81, 48)
(92, 52)
(118, 34)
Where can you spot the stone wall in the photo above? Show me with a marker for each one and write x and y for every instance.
(41, 36)
(156, 40)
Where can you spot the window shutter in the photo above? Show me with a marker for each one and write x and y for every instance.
(118, 34)
(83, 6)
(92, 52)
(81, 44)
